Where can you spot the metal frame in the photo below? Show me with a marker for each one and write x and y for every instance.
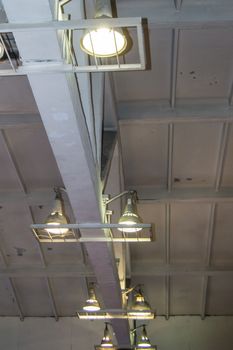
(82, 24)
(73, 236)
(114, 314)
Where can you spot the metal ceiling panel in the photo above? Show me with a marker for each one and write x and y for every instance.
(195, 155)
(185, 295)
(70, 295)
(16, 95)
(33, 296)
(144, 151)
(153, 83)
(154, 292)
(188, 232)
(7, 301)
(222, 252)
(17, 241)
(220, 292)
(34, 157)
(8, 178)
(155, 251)
(227, 176)
(205, 63)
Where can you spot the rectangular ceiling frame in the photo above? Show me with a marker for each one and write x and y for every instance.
(39, 230)
(71, 25)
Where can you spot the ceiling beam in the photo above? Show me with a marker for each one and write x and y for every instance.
(12, 120)
(221, 155)
(151, 268)
(145, 194)
(167, 258)
(138, 268)
(59, 102)
(209, 244)
(74, 270)
(208, 195)
(186, 111)
(193, 14)
(174, 65)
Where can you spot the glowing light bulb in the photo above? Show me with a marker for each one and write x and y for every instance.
(104, 42)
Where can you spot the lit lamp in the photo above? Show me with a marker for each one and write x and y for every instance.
(143, 342)
(57, 217)
(92, 303)
(130, 216)
(106, 342)
(103, 41)
(140, 306)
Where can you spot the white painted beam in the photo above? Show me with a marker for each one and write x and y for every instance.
(50, 271)
(174, 65)
(221, 155)
(193, 14)
(138, 268)
(149, 268)
(207, 195)
(15, 120)
(170, 157)
(160, 112)
(209, 243)
(146, 195)
(58, 100)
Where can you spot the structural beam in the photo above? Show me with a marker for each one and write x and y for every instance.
(50, 271)
(194, 14)
(167, 258)
(149, 268)
(221, 155)
(145, 195)
(14, 120)
(209, 244)
(138, 268)
(206, 195)
(59, 103)
(174, 65)
(170, 157)
(139, 112)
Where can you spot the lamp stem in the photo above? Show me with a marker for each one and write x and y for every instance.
(103, 8)
(117, 196)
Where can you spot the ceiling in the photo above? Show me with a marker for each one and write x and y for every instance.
(167, 133)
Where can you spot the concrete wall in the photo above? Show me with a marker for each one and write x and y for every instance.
(179, 333)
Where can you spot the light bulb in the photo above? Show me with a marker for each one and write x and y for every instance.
(92, 303)
(57, 218)
(130, 218)
(144, 341)
(104, 42)
(106, 341)
(140, 305)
